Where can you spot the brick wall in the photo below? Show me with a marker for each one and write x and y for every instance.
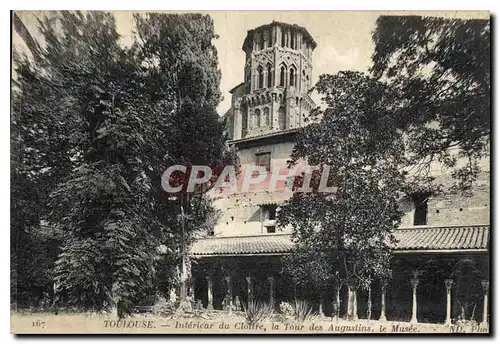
(240, 211)
(455, 209)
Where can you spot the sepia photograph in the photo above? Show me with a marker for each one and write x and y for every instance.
(250, 172)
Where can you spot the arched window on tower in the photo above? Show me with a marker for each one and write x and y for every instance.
(283, 34)
(292, 77)
(269, 76)
(282, 76)
(282, 118)
(244, 122)
(256, 118)
(260, 72)
(266, 116)
(247, 81)
(262, 42)
(256, 40)
(292, 40)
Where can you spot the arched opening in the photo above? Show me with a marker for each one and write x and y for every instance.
(247, 81)
(244, 122)
(292, 40)
(292, 77)
(261, 42)
(266, 116)
(282, 118)
(260, 72)
(283, 41)
(256, 118)
(269, 76)
(282, 76)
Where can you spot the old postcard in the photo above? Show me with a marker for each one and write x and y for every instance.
(250, 172)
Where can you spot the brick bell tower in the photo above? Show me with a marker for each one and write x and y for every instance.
(275, 94)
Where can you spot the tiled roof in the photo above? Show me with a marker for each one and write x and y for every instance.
(260, 244)
(413, 239)
(443, 238)
(265, 135)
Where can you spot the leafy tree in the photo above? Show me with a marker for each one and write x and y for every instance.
(181, 65)
(89, 141)
(441, 68)
(349, 228)
(96, 125)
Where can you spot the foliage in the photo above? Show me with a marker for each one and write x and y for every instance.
(345, 236)
(465, 309)
(285, 308)
(178, 53)
(95, 124)
(302, 310)
(256, 312)
(441, 69)
(163, 308)
(309, 268)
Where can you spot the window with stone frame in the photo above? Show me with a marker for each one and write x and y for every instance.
(247, 81)
(421, 208)
(269, 211)
(269, 76)
(281, 118)
(292, 77)
(256, 119)
(244, 123)
(282, 75)
(266, 116)
(271, 229)
(263, 159)
(260, 72)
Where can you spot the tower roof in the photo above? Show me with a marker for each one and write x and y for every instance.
(303, 30)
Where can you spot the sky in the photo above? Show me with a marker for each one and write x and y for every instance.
(343, 38)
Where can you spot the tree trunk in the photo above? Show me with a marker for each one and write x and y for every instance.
(369, 311)
(336, 304)
(355, 304)
(320, 311)
(350, 303)
(113, 309)
(337, 313)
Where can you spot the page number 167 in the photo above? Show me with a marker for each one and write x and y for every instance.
(39, 323)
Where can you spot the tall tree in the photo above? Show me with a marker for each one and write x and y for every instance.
(98, 124)
(350, 227)
(442, 69)
(181, 65)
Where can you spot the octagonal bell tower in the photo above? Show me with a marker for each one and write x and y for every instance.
(275, 94)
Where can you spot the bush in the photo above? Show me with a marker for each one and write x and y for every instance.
(162, 307)
(286, 308)
(302, 310)
(256, 312)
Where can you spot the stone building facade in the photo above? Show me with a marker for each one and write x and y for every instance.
(240, 259)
